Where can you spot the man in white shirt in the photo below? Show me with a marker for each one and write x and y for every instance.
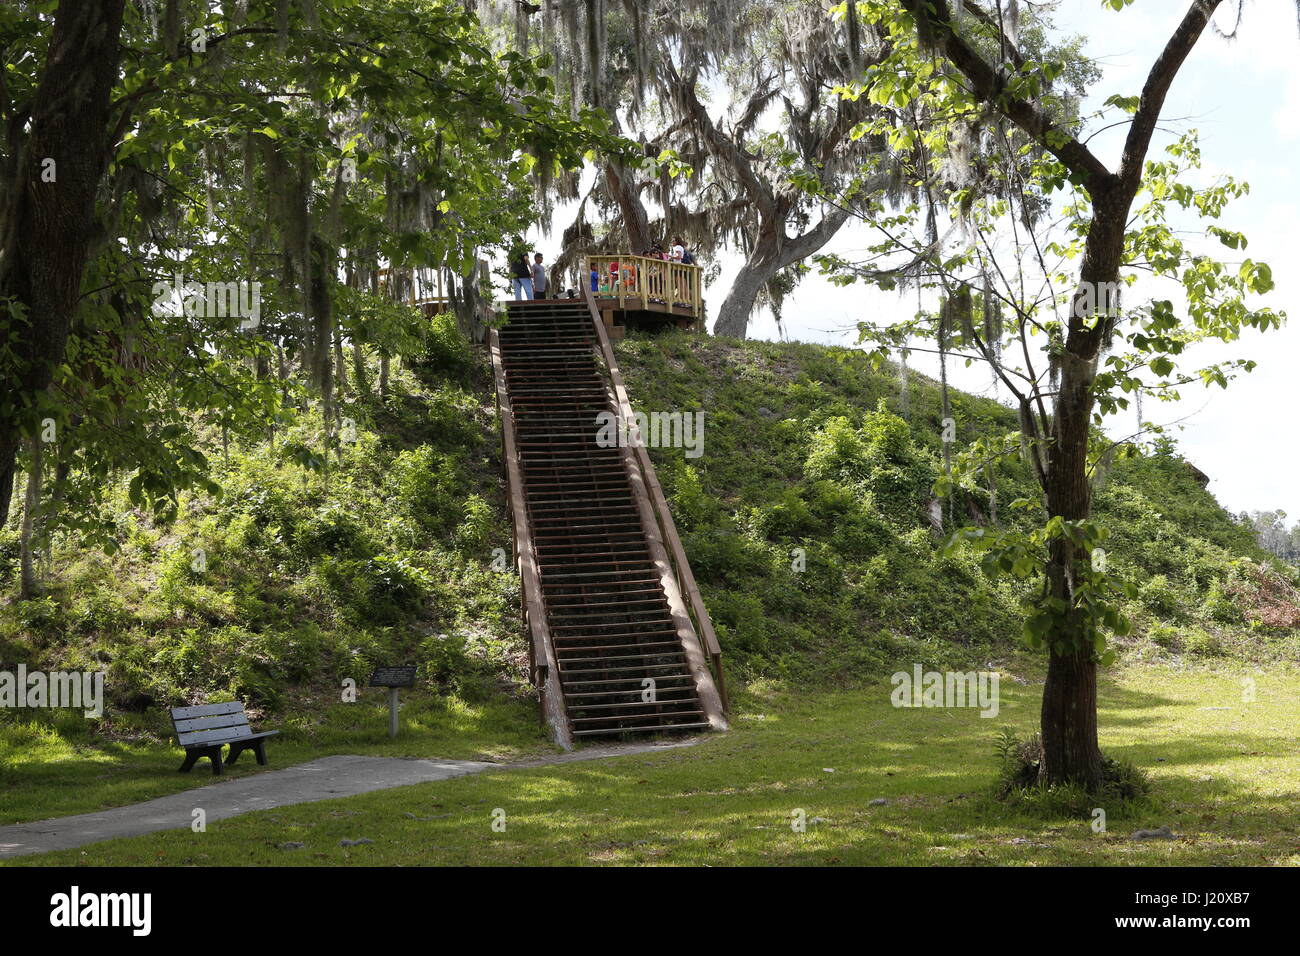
(539, 277)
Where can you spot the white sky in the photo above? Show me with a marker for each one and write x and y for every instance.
(1243, 97)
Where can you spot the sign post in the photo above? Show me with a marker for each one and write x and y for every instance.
(393, 678)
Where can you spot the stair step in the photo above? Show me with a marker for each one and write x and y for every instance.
(642, 703)
(647, 730)
(618, 647)
(628, 680)
(566, 661)
(599, 574)
(599, 604)
(644, 621)
(684, 713)
(636, 690)
(616, 670)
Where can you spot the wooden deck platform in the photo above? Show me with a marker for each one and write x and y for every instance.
(644, 291)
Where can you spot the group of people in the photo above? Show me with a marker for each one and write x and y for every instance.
(625, 275)
(529, 279)
(678, 251)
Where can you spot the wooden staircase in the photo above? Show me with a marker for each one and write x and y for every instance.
(614, 647)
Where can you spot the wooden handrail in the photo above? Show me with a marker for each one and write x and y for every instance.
(642, 279)
(544, 671)
(681, 567)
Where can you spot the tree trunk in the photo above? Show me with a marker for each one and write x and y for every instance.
(48, 226)
(29, 586)
(340, 364)
(636, 221)
(359, 368)
(383, 375)
(1071, 753)
(1069, 716)
(738, 306)
(282, 371)
(773, 251)
(320, 302)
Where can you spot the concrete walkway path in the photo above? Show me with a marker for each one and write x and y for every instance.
(324, 779)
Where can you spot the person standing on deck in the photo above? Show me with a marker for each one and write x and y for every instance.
(677, 255)
(522, 272)
(539, 277)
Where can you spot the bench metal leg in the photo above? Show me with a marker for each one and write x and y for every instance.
(193, 756)
(237, 748)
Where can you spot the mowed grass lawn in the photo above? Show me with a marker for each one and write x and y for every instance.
(1226, 775)
(52, 764)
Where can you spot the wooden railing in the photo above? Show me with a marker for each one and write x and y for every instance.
(640, 280)
(662, 531)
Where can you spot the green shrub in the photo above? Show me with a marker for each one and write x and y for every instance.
(333, 531)
(429, 487)
(1163, 635)
(42, 619)
(450, 420)
(828, 499)
(9, 554)
(837, 451)
(861, 533)
(1202, 643)
(1125, 787)
(879, 459)
(692, 507)
(785, 518)
(1220, 607)
(479, 525)
(1159, 596)
(99, 611)
(382, 590)
(458, 667)
(725, 556)
(888, 437)
(446, 349)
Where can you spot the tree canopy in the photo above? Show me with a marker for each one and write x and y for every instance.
(190, 198)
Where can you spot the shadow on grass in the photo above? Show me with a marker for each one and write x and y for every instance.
(831, 778)
(53, 764)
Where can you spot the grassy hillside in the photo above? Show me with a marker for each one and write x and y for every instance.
(805, 449)
(310, 576)
(390, 553)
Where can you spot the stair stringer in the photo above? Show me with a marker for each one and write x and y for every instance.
(709, 697)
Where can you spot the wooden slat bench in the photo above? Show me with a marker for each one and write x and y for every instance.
(205, 729)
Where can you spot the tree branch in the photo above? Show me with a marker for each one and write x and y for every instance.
(720, 145)
(934, 20)
(1156, 88)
